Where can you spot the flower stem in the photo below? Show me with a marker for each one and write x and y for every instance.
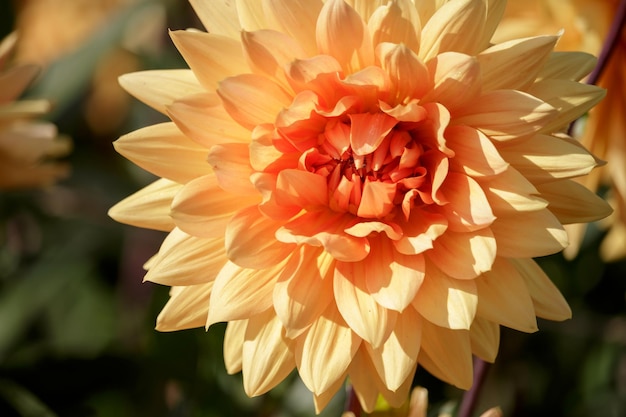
(610, 43)
(468, 404)
(352, 402)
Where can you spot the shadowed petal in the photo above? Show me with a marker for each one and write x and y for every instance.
(473, 252)
(187, 308)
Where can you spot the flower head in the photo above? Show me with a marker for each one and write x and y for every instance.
(379, 177)
(26, 145)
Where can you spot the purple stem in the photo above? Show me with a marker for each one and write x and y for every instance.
(352, 402)
(468, 404)
(610, 43)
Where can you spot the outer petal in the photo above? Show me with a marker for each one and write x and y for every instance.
(304, 289)
(397, 22)
(468, 208)
(420, 230)
(474, 153)
(159, 89)
(571, 202)
(203, 119)
(504, 298)
(548, 301)
(231, 164)
(240, 293)
(164, 151)
(510, 192)
(211, 57)
(218, 16)
(149, 207)
(250, 240)
(473, 253)
(408, 74)
(320, 362)
(187, 260)
(233, 345)
(203, 209)
(445, 301)
(363, 314)
(187, 308)
(507, 114)
(337, 20)
(541, 235)
(295, 18)
(485, 339)
(568, 65)
(267, 358)
(455, 78)
(456, 26)
(447, 354)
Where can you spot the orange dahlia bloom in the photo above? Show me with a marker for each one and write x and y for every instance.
(26, 145)
(586, 25)
(358, 188)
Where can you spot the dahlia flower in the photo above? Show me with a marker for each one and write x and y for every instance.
(358, 188)
(26, 145)
(587, 25)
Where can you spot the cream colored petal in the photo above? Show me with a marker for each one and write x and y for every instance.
(233, 345)
(165, 151)
(504, 298)
(326, 228)
(408, 74)
(395, 359)
(571, 202)
(252, 99)
(567, 66)
(392, 278)
(445, 301)
(319, 359)
(455, 78)
(571, 99)
(337, 20)
(529, 234)
(421, 228)
(267, 358)
(398, 397)
(507, 114)
(187, 260)
(485, 339)
(160, 88)
(240, 293)
(231, 164)
(358, 307)
(268, 52)
(321, 400)
(187, 308)
(447, 354)
(203, 209)
(543, 158)
(468, 208)
(304, 289)
(457, 26)
(149, 207)
(362, 374)
(251, 15)
(548, 301)
(23, 109)
(203, 119)
(495, 11)
(510, 192)
(365, 8)
(397, 22)
(464, 255)
(218, 16)
(516, 63)
(474, 153)
(15, 80)
(250, 240)
(211, 57)
(295, 18)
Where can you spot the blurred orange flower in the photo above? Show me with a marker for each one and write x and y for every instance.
(27, 146)
(586, 25)
(378, 179)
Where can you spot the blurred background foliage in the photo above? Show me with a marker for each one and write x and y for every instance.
(77, 331)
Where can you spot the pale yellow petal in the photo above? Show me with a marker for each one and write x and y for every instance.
(455, 78)
(233, 345)
(548, 301)
(231, 164)
(485, 339)
(149, 207)
(295, 18)
(218, 16)
(397, 22)
(187, 260)
(408, 74)
(510, 192)
(165, 151)
(187, 308)
(475, 154)
(504, 298)
(567, 65)
(203, 209)
(251, 15)
(320, 362)
(473, 252)
(160, 88)
(573, 203)
(267, 358)
(541, 235)
(445, 301)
